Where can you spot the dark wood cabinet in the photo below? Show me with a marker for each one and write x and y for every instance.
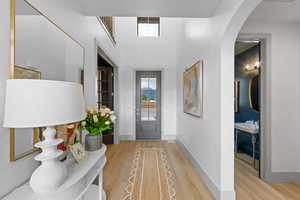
(106, 95)
(105, 87)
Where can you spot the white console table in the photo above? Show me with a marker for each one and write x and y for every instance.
(78, 185)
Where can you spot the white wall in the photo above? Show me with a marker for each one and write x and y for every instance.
(284, 90)
(142, 53)
(200, 135)
(12, 174)
(209, 139)
(66, 14)
(43, 47)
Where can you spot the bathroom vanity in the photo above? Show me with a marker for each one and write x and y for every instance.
(241, 128)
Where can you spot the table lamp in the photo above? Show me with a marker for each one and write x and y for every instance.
(44, 103)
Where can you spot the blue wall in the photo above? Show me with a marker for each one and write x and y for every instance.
(249, 57)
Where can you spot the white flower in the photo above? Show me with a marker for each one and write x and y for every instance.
(107, 123)
(95, 118)
(83, 123)
(113, 118)
(107, 110)
(102, 110)
(95, 110)
(112, 112)
(88, 109)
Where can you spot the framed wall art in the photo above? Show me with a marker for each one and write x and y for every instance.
(193, 90)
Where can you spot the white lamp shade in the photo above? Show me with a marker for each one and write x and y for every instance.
(39, 103)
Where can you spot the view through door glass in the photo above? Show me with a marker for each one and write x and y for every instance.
(148, 105)
(148, 99)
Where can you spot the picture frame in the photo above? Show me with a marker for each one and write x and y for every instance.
(26, 73)
(29, 69)
(15, 154)
(78, 152)
(193, 90)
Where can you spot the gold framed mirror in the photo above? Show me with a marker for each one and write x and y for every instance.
(237, 88)
(40, 49)
(254, 93)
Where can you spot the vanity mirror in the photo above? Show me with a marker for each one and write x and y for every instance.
(254, 85)
(40, 49)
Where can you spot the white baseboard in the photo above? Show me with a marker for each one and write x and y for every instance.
(169, 137)
(283, 177)
(217, 193)
(126, 137)
(132, 137)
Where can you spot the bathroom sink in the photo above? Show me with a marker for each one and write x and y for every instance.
(248, 127)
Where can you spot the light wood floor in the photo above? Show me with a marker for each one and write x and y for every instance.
(189, 185)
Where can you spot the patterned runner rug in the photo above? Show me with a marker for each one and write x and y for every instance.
(151, 177)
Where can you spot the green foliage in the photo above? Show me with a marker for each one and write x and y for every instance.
(145, 97)
(97, 122)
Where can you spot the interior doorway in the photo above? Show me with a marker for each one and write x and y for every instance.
(262, 154)
(148, 105)
(248, 91)
(107, 91)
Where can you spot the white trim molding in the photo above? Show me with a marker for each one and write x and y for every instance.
(284, 177)
(132, 137)
(214, 189)
(168, 137)
(126, 137)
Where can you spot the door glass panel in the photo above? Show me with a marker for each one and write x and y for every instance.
(148, 99)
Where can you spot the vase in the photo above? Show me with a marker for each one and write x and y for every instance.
(93, 142)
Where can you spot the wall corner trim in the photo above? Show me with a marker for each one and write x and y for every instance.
(217, 193)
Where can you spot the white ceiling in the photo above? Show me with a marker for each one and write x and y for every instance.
(277, 11)
(161, 8)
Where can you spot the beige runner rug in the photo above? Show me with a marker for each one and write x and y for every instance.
(151, 177)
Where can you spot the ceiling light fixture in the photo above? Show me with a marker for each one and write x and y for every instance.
(251, 68)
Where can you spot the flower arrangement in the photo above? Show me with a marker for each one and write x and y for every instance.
(98, 120)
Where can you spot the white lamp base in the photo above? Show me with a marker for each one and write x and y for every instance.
(51, 173)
